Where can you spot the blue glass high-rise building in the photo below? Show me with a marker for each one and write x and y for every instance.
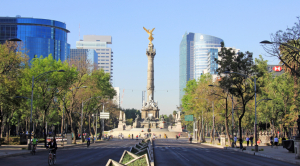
(90, 57)
(197, 53)
(39, 36)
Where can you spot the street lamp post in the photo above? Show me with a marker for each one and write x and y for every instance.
(254, 80)
(29, 146)
(268, 42)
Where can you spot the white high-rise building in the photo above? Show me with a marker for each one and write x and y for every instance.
(116, 98)
(105, 54)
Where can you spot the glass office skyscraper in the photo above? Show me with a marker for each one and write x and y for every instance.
(40, 36)
(87, 55)
(197, 51)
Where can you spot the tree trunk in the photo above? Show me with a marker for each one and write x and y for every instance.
(90, 125)
(7, 130)
(45, 133)
(198, 131)
(226, 124)
(211, 137)
(1, 123)
(62, 126)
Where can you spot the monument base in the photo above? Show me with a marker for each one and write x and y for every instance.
(297, 147)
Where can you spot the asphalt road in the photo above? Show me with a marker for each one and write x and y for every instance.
(181, 153)
(96, 154)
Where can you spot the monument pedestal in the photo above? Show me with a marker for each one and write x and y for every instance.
(297, 147)
(69, 138)
(223, 139)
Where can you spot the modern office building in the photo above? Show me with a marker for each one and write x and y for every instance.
(89, 56)
(196, 53)
(105, 54)
(116, 98)
(39, 36)
(212, 64)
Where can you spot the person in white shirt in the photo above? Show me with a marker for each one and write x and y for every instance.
(235, 139)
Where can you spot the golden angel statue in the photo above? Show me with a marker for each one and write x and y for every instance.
(150, 34)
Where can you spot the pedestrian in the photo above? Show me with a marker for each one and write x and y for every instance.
(235, 139)
(276, 142)
(251, 140)
(159, 135)
(271, 141)
(137, 137)
(128, 136)
(247, 139)
(188, 135)
(132, 136)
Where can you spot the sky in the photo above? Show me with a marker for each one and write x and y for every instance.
(241, 24)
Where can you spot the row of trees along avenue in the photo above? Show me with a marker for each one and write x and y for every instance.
(207, 98)
(54, 93)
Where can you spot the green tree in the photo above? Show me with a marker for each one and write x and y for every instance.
(12, 63)
(236, 84)
(47, 86)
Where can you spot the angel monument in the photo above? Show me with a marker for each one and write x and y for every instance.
(150, 109)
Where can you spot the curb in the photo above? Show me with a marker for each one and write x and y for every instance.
(256, 154)
(28, 151)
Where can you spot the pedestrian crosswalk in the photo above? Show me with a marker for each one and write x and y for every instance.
(163, 148)
(98, 147)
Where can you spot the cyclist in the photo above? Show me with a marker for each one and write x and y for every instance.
(34, 143)
(88, 142)
(53, 146)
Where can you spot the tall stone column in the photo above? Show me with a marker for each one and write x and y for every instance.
(151, 52)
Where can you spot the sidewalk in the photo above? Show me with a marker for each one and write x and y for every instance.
(14, 150)
(281, 153)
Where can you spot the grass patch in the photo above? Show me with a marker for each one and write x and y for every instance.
(139, 162)
(126, 158)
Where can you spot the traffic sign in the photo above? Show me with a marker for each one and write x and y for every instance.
(104, 115)
(188, 118)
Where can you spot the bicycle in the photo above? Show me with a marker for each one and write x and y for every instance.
(88, 143)
(33, 148)
(51, 157)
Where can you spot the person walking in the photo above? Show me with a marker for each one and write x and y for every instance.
(235, 139)
(137, 137)
(276, 142)
(159, 135)
(271, 141)
(247, 139)
(251, 140)
(131, 136)
(128, 136)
